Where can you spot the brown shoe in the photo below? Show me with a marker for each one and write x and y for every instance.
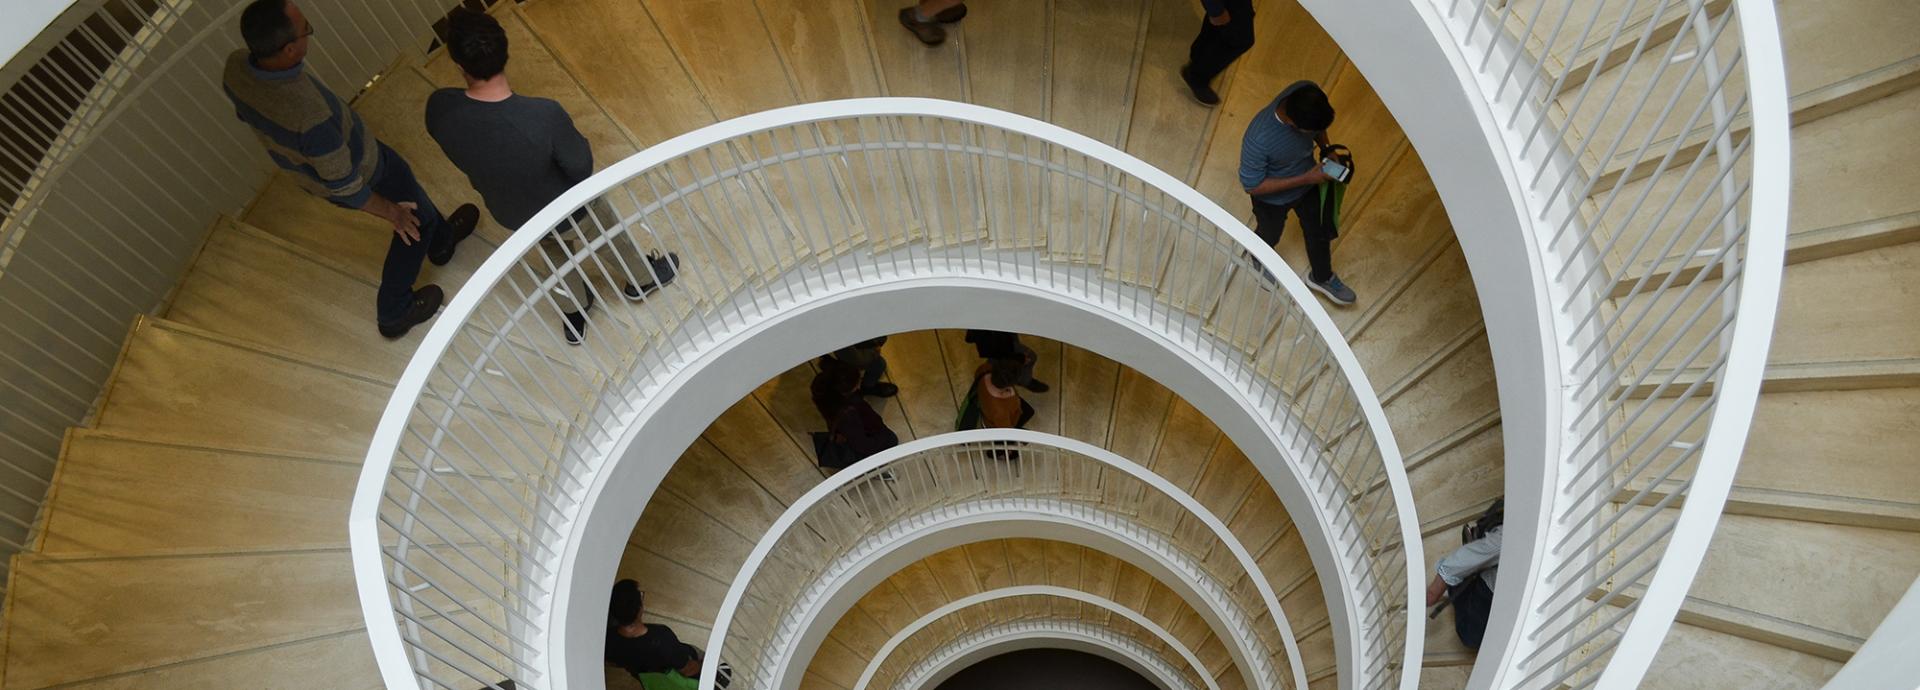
(929, 32)
(426, 303)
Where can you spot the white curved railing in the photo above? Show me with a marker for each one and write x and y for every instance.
(925, 637)
(497, 432)
(1017, 593)
(842, 528)
(1650, 142)
(1054, 634)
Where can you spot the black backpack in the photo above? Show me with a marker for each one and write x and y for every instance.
(1495, 516)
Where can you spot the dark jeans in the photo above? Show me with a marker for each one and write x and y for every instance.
(394, 180)
(1472, 601)
(1269, 220)
(1218, 46)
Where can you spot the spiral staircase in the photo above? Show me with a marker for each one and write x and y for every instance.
(193, 534)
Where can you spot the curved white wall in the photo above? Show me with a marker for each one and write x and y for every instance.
(708, 386)
(1398, 46)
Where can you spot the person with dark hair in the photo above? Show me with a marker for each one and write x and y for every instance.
(522, 152)
(1225, 34)
(992, 345)
(924, 18)
(312, 133)
(651, 652)
(996, 397)
(865, 357)
(854, 429)
(1278, 169)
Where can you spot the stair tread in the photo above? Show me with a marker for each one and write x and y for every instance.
(252, 287)
(342, 661)
(119, 495)
(1832, 577)
(1691, 654)
(157, 611)
(178, 386)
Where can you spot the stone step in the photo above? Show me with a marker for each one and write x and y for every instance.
(1847, 197)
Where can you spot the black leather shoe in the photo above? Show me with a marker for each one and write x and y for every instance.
(1038, 386)
(461, 223)
(881, 390)
(426, 303)
(929, 32)
(951, 14)
(1202, 91)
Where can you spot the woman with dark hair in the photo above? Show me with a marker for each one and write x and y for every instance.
(652, 653)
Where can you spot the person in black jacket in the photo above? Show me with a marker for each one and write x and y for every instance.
(854, 429)
(642, 648)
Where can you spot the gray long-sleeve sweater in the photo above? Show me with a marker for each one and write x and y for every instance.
(519, 153)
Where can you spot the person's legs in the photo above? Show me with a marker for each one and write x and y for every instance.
(1216, 47)
(1313, 234)
(1471, 605)
(394, 180)
(876, 368)
(1269, 221)
(638, 273)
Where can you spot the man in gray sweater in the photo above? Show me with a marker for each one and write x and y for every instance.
(521, 153)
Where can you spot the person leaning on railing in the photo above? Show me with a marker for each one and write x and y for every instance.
(652, 653)
(520, 153)
(310, 132)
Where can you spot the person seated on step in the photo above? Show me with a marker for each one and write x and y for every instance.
(865, 357)
(520, 153)
(1465, 578)
(1281, 174)
(651, 651)
(1003, 345)
(923, 20)
(854, 429)
(311, 133)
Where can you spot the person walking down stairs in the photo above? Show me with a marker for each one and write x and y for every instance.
(1278, 169)
(1225, 35)
(311, 132)
(924, 19)
(992, 345)
(522, 152)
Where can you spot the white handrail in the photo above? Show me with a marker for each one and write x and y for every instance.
(1052, 634)
(496, 433)
(1017, 591)
(965, 447)
(1640, 199)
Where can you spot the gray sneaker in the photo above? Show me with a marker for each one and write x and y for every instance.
(1334, 290)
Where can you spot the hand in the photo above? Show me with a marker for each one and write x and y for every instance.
(1220, 19)
(400, 215)
(1315, 176)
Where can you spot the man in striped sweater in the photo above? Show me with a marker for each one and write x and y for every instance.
(310, 132)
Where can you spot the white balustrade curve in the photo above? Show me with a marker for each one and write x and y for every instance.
(882, 543)
(887, 650)
(479, 472)
(1044, 634)
(1651, 367)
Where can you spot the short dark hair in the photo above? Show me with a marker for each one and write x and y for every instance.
(1005, 372)
(476, 43)
(265, 27)
(624, 609)
(1308, 108)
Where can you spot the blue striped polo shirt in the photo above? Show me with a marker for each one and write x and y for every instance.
(1272, 148)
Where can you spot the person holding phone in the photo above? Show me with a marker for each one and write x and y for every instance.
(1278, 168)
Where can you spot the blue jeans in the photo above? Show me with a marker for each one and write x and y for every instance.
(394, 180)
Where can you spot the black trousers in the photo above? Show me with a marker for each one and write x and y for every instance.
(393, 179)
(1270, 219)
(1472, 602)
(1218, 46)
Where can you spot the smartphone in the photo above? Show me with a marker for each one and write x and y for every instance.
(1335, 170)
